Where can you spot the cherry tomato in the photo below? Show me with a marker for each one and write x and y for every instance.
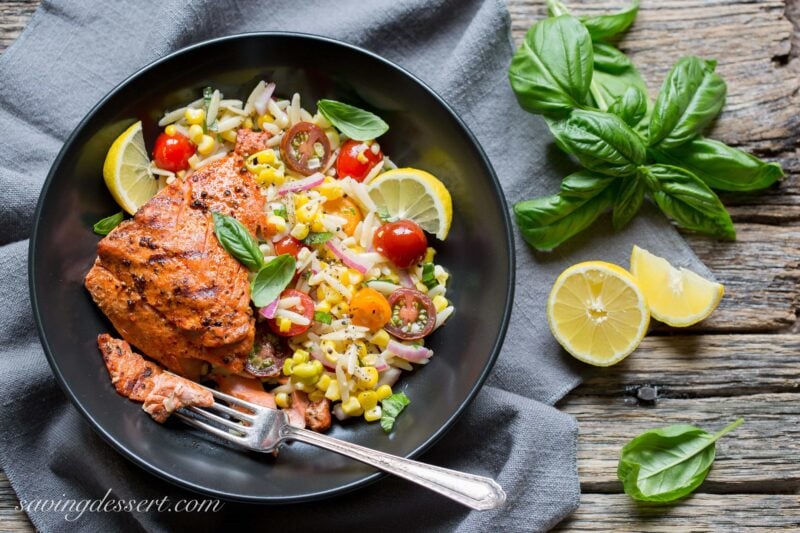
(305, 148)
(413, 314)
(348, 163)
(288, 245)
(269, 353)
(305, 308)
(347, 209)
(370, 309)
(403, 242)
(172, 152)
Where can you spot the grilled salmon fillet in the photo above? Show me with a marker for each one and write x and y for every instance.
(168, 286)
(140, 380)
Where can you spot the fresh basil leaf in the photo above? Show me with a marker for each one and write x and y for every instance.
(606, 27)
(721, 166)
(552, 69)
(684, 197)
(663, 465)
(613, 75)
(280, 212)
(691, 97)
(237, 241)
(271, 280)
(628, 201)
(322, 316)
(104, 226)
(602, 142)
(358, 124)
(428, 276)
(320, 237)
(547, 222)
(391, 408)
(631, 107)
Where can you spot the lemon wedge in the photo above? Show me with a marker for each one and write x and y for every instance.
(415, 195)
(127, 170)
(677, 296)
(597, 312)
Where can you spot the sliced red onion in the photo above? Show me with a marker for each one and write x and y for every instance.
(261, 102)
(405, 279)
(389, 377)
(345, 258)
(301, 185)
(270, 310)
(409, 353)
(380, 364)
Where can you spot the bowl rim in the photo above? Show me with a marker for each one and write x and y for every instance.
(176, 479)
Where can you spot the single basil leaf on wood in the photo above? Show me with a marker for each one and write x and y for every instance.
(105, 225)
(691, 97)
(684, 197)
(552, 69)
(237, 241)
(271, 280)
(663, 465)
(602, 142)
(721, 166)
(631, 107)
(549, 221)
(628, 201)
(605, 27)
(613, 75)
(356, 123)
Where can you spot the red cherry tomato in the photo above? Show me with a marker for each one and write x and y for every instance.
(172, 152)
(288, 245)
(348, 164)
(305, 308)
(413, 314)
(305, 148)
(403, 242)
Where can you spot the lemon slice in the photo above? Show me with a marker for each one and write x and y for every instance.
(677, 296)
(597, 313)
(127, 170)
(416, 195)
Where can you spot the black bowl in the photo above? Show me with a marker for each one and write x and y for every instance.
(424, 133)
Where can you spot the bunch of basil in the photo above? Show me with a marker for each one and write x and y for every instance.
(596, 106)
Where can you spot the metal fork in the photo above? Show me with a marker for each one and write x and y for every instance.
(267, 429)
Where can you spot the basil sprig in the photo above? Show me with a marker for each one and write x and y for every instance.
(237, 241)
(358, 124)
(391, 408)
(666, 464)
(104, 226)
(596, 106)
(272, 279)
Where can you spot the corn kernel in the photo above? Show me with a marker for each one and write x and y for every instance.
(430, 253)
(330, 189)
(332, 392)
(362, 349)
(323, 382)
(368, 399)
(282, 400)
(440, 302)
(421, 287)
(383, 392)
(351, 407)
(271, 176)
(288, 366)
(316, 396)
(266, 117)
(206, 145)
(340, 309)
(248, 123)
(361, 157)
(323, 307)
(441, 275)
(195, 134)
(306, 213)
(299, 231)
(284, 324)
(371, 415)
(355, 277)
(193, 161)
(229, 136)
(277, 222)
(381, 338)
(300, 356)
(307, 372)
(366, 376)
(194, 116)
(317, 225)
(325, 292)
(171, 130)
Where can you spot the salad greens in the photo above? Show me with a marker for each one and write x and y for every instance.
(595, 103)
(666, 464)
(323, 317)
(391, 408)
(318, 237)
(357, 124)
(104, 226)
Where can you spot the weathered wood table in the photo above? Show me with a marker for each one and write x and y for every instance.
(744, 360)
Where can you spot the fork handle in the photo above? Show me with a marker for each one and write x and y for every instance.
(478, 492)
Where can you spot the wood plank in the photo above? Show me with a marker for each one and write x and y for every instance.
(10, 518)
(701, 512)
(14, 16)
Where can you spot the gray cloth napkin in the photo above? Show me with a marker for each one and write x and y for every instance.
(71, 54)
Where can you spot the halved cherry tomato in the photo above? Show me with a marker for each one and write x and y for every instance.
(305, 308)
(305, 148)
(347, 209)
(350, 164)
(403, 242)
(172, 152)
(413, 314)
(370, 309)
(288, 245)
(269, 353)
